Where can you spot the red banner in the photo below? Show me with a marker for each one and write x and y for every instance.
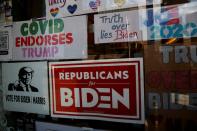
(110, 90)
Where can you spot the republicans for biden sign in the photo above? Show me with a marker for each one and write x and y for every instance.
(110, 90)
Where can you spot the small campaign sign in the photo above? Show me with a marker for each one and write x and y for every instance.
(25, 87)
(109, 90)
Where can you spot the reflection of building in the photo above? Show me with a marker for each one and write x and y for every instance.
(5, 11)
(8, 9)
(2, 11)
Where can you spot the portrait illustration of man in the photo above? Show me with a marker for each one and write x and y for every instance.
(23, 83)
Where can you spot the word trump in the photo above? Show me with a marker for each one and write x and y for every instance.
(100, 97)
(181, 54)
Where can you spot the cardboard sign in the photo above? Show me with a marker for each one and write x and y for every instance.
(167, 22)
(63, 8)
(64, 38)
(25, 87)
(110, 90)
(117, 27)
(6, 43)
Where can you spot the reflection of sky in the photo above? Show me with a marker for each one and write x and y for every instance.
(188, 12)
(188, 8)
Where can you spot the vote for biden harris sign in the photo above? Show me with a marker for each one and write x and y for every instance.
(25, 87)
(63, 38)
(110, 90)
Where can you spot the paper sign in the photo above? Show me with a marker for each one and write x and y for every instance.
(6, 43)
(109, 90)
(25, 87)
(63, 8)
(64, 38)
(117, 27)
(58, 9)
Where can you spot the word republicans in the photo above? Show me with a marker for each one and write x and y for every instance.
(94, 75)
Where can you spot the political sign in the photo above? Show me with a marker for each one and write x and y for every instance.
(64, 38)
(110, 90)
(25, 87)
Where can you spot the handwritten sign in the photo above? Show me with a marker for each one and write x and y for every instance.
(109, 90)
(25, 87)
(6, 43)
(64, 38)
(63, 8)
(117, 27)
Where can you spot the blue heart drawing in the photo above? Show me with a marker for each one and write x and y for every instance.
(72, 8)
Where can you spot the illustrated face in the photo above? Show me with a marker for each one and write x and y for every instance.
(26, 78)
